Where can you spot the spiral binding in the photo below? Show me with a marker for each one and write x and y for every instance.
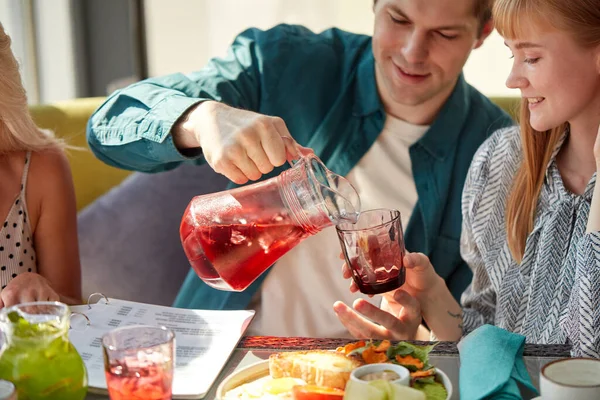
(89, 304)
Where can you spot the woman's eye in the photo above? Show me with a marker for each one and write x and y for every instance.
(531, 60)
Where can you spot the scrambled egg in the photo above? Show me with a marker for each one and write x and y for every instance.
(265, 388)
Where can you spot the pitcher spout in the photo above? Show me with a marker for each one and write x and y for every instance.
(340, 198)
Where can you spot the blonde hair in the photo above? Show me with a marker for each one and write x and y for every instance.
(18, 132)
(581, 19)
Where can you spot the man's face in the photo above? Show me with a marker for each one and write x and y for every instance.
(421, 46)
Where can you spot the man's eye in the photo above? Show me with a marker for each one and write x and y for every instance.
(446, 36)
(399, 21)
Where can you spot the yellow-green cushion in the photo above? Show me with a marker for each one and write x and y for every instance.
(93, 178)
(508, 104)
(68, 120)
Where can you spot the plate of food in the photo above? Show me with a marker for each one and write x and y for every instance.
(324, 375)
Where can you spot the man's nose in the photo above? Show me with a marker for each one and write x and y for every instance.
(415, 49)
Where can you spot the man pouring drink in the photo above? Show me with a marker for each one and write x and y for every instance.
(391, 113)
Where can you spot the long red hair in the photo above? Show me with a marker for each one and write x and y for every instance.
(581, 19)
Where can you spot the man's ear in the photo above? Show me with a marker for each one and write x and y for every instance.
(486, 31)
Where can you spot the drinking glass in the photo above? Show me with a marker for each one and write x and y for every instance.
(374, 250)
(138, 362)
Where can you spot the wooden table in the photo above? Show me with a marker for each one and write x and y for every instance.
(444, 356)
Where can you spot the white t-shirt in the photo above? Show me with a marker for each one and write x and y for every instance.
(297, 296)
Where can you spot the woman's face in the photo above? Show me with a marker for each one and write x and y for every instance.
(559, 78)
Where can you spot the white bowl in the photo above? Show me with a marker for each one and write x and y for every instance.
(361, 371)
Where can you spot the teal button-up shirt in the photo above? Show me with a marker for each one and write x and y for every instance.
(323, 86)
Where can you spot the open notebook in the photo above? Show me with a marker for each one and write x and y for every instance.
(204, 339)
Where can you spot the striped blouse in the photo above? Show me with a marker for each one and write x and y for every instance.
(553, 295)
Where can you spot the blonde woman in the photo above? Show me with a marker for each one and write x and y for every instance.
(531, 206)
(39, 257)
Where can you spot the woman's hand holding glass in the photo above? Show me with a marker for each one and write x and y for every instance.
(400, 314)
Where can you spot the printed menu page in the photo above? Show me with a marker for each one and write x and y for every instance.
(204, 339)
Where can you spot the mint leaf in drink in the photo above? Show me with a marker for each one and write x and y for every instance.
(14, 317)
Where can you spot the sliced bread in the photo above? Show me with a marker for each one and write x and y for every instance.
(315, 367)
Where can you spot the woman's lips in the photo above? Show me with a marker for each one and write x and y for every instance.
(534, 102)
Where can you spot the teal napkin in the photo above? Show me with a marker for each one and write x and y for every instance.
(491, 364)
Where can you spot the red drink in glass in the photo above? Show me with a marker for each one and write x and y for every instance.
(139, 362)
(144, 382)
(374, 250)
(390, 279)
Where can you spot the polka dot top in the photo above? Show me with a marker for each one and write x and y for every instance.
(16, 245)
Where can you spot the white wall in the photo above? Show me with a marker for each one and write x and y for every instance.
(15, 16)
(182, 35)
(55, 44)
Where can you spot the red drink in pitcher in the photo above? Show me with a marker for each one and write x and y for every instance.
(240, 252)
(230, 238)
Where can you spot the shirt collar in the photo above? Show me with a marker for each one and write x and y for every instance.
(446, 127)
(444, 132)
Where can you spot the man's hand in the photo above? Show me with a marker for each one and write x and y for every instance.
(398, 318)
(27, 287)
(242, 145)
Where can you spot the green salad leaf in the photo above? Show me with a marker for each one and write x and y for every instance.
(433, 391)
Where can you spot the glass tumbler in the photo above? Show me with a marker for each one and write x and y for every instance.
(138, 362)
(374, 250)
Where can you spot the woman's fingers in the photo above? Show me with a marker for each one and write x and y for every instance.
(358, 326)
(411, 309)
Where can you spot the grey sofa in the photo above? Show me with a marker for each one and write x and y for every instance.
(129, 238)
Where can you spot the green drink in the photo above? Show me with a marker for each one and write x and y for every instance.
(37, 355)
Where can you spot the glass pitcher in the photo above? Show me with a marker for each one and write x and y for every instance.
(232, 237)
(37, 356)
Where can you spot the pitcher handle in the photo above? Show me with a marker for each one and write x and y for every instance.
(301, 150)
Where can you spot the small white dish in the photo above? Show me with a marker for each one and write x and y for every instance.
(402, 372)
